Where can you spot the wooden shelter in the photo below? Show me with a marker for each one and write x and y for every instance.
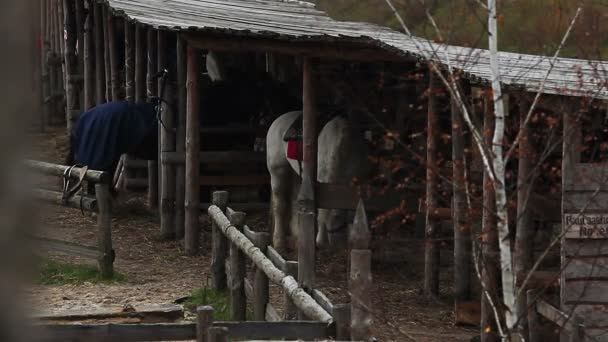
(285, 27)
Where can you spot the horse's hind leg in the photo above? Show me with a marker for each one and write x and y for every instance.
(281, 202)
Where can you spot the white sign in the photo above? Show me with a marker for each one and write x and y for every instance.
(586, 226)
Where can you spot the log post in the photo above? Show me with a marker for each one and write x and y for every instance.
(61, 47)
(89, 60)
(204, 320)
(106, 50)
(360, 280)
(306, 198)
(80, 21)
(533, 319)
(113, 56)
(45, 73)
(341, 314)
(261, 294)
(140, 82)
(104, 230)
(129, 61)
(180, 138)
(489, 239)
(152, 90)
(291, 310)
(51, 68)
(218, 334)
(192, 194)
(431, 251)
(238, 299)
(167, 142)
(100, 74)
(219, 246)
(71, 63)
(462, 228)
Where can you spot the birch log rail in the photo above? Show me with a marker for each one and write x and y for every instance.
(302, 299)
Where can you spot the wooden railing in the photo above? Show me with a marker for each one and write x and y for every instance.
(101, 204)
(571, 324)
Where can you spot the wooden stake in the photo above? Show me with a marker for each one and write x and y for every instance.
(180, 138)
(291, 310)
(204, 321)
(192, 233)
(238, 300)
(360, 280)
(100, 74)
(462, 228)
(261, 294)
(89, 60)
(341, 314)
(219, 251)
(431, 251)
(104, 229)
(167, 141)
(152, 90)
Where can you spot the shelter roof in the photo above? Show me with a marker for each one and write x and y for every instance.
(298, 21)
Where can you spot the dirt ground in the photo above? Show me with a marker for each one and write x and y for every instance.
(158, 272)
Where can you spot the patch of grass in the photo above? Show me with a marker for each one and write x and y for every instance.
(218, 300)
(58, 273)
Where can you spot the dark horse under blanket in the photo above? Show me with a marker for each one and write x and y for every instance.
(109, 130)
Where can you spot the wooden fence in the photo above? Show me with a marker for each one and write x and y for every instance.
(101, 204)
(571, 324)
(234, 242)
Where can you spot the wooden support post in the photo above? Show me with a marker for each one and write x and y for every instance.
(46, 109)
(71, 62)
(219, 251)
(80, 21)
(167, 142)
(104, 230)
(140, 63)
(61, 47)
(218, 334)
(307, 220)
(360, 280)
(192, 233)
(180, 138)
(238, 300)
(100, 74)
(533, 319)
(204, 320)
(106, 47)
(113, 56)
(152, 90)
(89, 60)
(524, 237)
(129, 61)
(341, 314)
(431, 251)
(489, 238)
(261, 294)
(462, 228)
(291, 311)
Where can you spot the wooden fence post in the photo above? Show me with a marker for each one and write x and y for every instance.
(71, 63)
(167, 141)
(219, 247)
(360, 280)
(89, 60)
(152, 90)
(204, 319)
(341, 314)
(238, 299)
(218, 334)
(104, 230)
(192, 233)
(260, 285)
(533, 319)
(291, 311)
(100, 74)
(180, 138)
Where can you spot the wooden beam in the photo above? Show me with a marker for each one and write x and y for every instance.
(118, 332)
(234, 180)
(180, 138)
(290, 330)
(113, 54)
(326, 50)
(216, 157)
(59, 171)
(151, 91)
(192, 193)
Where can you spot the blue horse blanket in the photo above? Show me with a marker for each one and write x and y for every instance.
(109, 130)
